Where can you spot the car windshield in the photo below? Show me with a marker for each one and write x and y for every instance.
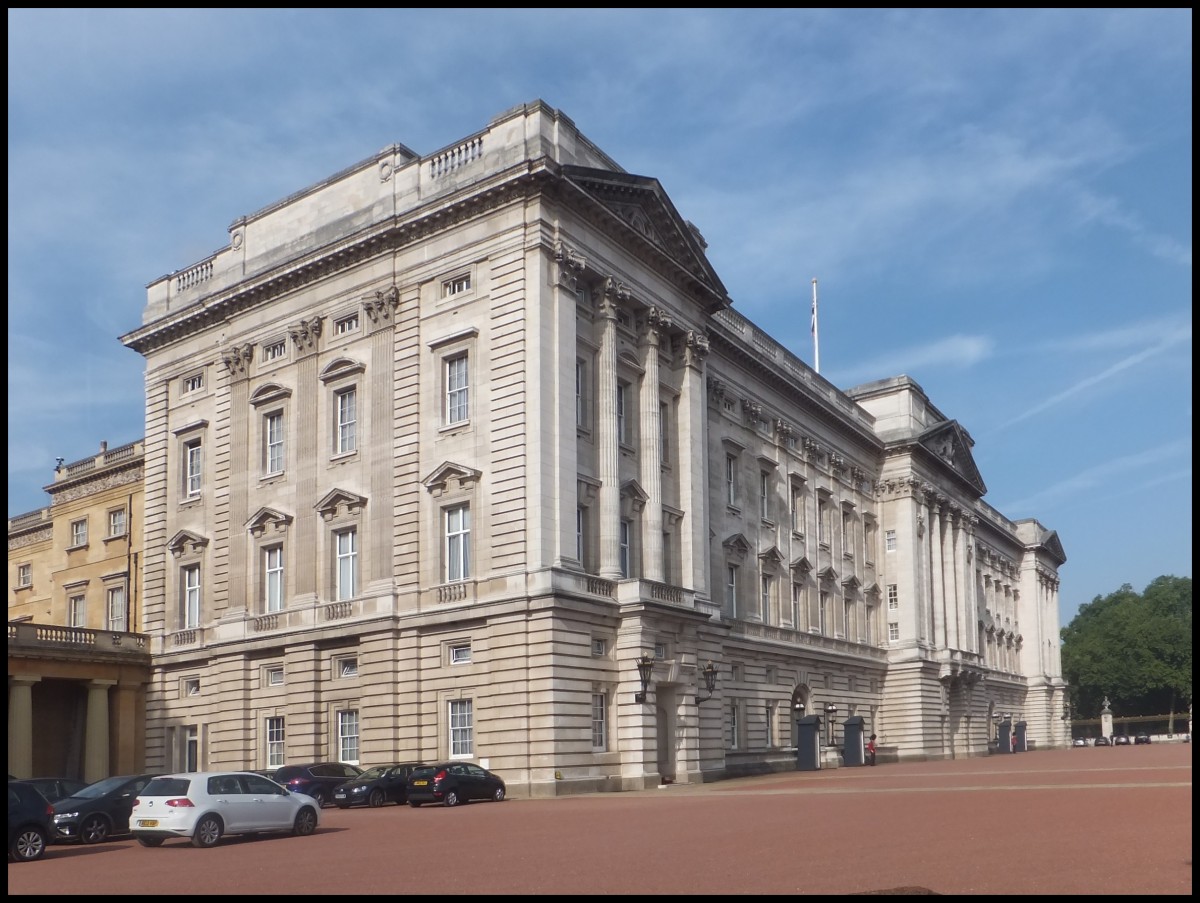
(423, 772)
(287, 773)
(101, 788)
(371, 773)
(166, 787)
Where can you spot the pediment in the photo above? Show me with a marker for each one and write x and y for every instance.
(633, 489)
(802, 566)
(269, 393)
(641, 206)
(872, 589)
(1051, 544)
(340, 501)
(340, 367)
(951, 444)
(771, 556)
(268, 519)
(827, 575)
(185, 542)
(451, 477)
(851, 582)
(736, 545)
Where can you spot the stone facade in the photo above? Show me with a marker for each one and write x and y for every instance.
(437, 448)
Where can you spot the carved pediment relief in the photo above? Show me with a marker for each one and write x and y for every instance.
(340, 501)
(185, 542)
(952, 444)
(451, 477)
(268, 520)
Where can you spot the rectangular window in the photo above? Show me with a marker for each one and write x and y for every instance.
(456, 286)
(79, 533)
(599, 647)
(345, 325)
(462, 728)
(348, 666)
(193, 468)
(460, 654)
(622, 412)
(731, 590)
(77, 611)
(346, 438)
(116, 609)
(274, 351)
(797, 603)
(457, 389)
(458, 543)
(581, 394)
(347, 564)
(847, 534)
(116, 522)
(797, 510)
(668, 571)
(664, 432)
(847, 618)
(660, 651)
(730, 480)
(623, 549)
(822, 522)
(191, 747)
(824, 614)
(580, 520)
(889, 538)
(893, 631)
(274, 729)
(273, 442)
(193, 383)
(764, 494)
(190, 603)
(893, 596)
(770, 724)
(599, 722)
(24, 575)
(767, 587)
(734, 727)
(273, 579)
(347, 727)
(191, 686)
(274, 677)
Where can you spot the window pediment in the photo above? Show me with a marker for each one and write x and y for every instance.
(736, 546)
(451, 477)
(268, 519)
(587, 489)
(828, 575)
(340, 501)
(633, 498)
(186, 542)
(271, 392)
(771, 556)
(851, 582)
(343, 366)
(802, 566)
(732, 445)
(192, 427)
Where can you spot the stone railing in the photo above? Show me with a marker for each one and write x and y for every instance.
(53, 639)
(447, 161)
(800, 638)
(194, 276)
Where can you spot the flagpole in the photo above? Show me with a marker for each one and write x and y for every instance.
(816, 340)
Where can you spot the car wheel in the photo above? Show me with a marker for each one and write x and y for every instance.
(414, 804)
(451, 798)
(376, 799)
(29, 844)
(94, 829)
(498, 795)
(208, 832)
(151, 841)
(306, 822)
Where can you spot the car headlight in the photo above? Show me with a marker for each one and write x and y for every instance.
(358, 789)
(63, 816)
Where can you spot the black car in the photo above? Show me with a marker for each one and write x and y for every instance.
(1102, 741)
(317, 779)
(452, 783)
(30, 822)
(55, 789)
(1141, 739)
(1122, 740)
(98, 811)
(376, 786)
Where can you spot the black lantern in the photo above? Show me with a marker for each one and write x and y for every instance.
(798, 708)
(645, 666)
(830, 715)
(710, 682)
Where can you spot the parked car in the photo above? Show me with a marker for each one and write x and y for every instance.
(376, 786)
(55, 789)
(30, 822)
(317, 779)
(1141, 738)
(1102, 741)
(205, 806)
(452, 783)
(98, 811)
(1122, 740)
(1079, 741)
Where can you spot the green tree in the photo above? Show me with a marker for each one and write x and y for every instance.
(1134, 648)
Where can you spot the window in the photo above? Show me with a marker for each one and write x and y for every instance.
(273, 442)
(347, 666)
(797, 603)
(847, 534)
(893, 593)
(191, 748)
(274, 728)
(456, 285)
(625, 534)
(193, 468)
(767, 586)
(734, 727)
(462, 728)
(274, 677)
(191, 686)
(189, 617)
(770, 724)
(347, 727)
(823, 522)
(79, 533)
(460, 654)
(581, 393)
(599, 647)
(192, 383)
(345, 438)
(580, 522)
(345, 325)
(273, 578)
(458, 543)
(622, 411)
(847, 617)
(116, 522)
(797, 510)
(667, 569)
(24, 575)
(274, 351)
(824, 614)
(660, 651)
(889, 538)
(77, 611)
(764, 494)
(346, 547)
(730, 480)
(731, 589)
(599, 722)
(893, 631)
(457, 389)
(116, 609)
(664, 431)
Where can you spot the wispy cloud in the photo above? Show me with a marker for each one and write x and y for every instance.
(958, 351)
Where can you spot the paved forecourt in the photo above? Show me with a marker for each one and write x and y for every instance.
(1112, 820)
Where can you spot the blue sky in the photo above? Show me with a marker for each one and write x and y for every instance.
(996, 203)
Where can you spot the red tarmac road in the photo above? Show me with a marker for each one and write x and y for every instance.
(1112, 820)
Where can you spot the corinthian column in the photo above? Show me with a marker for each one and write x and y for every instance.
(657, 324)
(693, 461)
(937, 574)
(606, 413)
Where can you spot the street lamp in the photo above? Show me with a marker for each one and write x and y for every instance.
(830, 712)
(645, 666)
(710, 682)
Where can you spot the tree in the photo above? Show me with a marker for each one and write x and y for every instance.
(1136, 649)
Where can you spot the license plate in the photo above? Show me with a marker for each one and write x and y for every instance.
(420, 783)
(147, 822)
(340, 796)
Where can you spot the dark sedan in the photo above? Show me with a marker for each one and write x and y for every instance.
(55, 789)
(1122, 740)
(98, 811)
(452, 783)
(1141, 739)
(30, 822)
(1102, 741)
(317, 779)
(376, 786)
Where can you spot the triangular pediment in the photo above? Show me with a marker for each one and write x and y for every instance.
(827, 575)
(951, 444)
(641, 205)
(338, 501)
(186, 541)
(1053, 546)
(851, 582)
(771, 556)
(448, 477)
(736, 545)
(802, 566)
(267, 519)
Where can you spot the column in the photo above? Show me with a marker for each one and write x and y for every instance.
(130, 729)
(305, 337)
(693, 465)
(20, 724)
(936, 575)
(606, 429)
(657, 324)
(950, 576)
(95, 736)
